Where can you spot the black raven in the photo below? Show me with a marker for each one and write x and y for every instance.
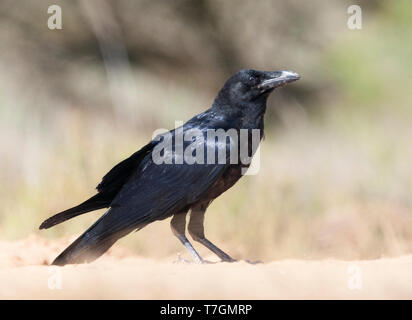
(141, 189)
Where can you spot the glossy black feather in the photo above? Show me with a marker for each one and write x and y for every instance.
(139, 191)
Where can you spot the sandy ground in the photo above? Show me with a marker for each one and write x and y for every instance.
(25, 274)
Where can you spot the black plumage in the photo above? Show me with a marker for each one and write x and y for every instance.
(139, 191)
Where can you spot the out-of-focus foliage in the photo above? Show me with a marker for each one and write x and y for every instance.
(372, 67)
(335, 176)
(185, 45)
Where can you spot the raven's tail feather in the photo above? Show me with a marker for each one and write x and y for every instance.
(96, 202)
(92, 243)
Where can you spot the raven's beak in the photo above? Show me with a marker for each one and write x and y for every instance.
(277, 78)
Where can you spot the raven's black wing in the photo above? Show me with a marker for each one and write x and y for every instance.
(157, 191)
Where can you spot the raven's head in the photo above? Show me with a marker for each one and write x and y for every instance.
(249, 85)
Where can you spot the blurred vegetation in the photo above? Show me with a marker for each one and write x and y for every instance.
(335, 178)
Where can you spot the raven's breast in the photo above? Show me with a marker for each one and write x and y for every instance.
(231, 175)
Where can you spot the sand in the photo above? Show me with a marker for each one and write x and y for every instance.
(25, 274)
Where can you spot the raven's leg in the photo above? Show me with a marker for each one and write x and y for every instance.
(197, 232)
(178, 225)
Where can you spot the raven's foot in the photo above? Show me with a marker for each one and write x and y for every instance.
(253, 262)
(228, 259)
(181, 260)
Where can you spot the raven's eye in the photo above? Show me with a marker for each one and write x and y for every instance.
(250, 78)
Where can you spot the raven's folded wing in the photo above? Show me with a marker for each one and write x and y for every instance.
(157, 191)
(160, 191)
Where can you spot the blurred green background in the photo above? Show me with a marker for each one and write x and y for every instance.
(335, 177)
